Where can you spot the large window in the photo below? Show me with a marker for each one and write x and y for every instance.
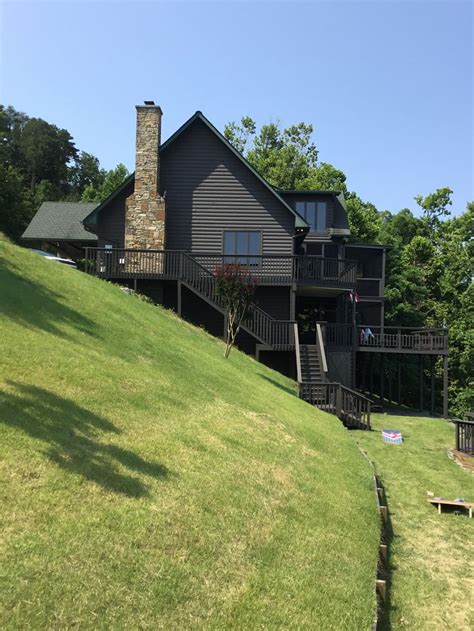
(315, 214)
(242, 246)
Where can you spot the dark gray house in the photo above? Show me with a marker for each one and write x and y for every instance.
(193, 204)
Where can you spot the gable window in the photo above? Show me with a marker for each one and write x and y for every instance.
(242, 246)
(315, 214)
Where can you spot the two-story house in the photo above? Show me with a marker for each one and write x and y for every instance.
(193, 204)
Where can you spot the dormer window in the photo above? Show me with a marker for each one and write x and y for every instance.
(315, 214)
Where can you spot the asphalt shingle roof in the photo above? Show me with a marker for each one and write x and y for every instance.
(60, 221)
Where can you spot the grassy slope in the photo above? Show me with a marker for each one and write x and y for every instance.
(431, 555)
(151, 483)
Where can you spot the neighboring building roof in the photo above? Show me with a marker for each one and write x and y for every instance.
(60, 221)
(300, 223)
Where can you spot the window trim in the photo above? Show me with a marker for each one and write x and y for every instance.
(235, 256)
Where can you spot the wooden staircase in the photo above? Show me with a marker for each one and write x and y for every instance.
(351, 407)
(310, 364)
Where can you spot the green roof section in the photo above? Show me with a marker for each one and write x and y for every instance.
(60, 221)
(300, 223)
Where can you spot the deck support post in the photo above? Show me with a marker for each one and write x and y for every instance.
(420, 378)
(382, 378)
(371, 375)
(432, 375)
(445, 386)
(135, 284)
(390, 398)
(179, 297)
(399, 379)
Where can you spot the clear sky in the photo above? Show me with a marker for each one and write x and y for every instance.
(387, 85)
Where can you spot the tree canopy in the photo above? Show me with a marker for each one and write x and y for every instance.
(40, 162)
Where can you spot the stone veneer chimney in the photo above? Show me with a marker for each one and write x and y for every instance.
(145, 208)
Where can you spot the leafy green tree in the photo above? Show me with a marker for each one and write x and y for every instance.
(47, 153)
(39, 162)
(86, 172)
(111, 181)
(16, 202)
(435, 206)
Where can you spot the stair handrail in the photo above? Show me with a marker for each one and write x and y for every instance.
(297, 352)
(321, 351)
(253, 308)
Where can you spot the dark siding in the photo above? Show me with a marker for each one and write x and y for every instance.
(208, 190)
(275, 301)
(111, 225)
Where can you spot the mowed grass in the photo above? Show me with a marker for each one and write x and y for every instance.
(149, 483)
(431, 555)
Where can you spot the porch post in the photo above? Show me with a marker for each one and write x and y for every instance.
(445, 386)
(432, 403)
(399, 375)
(382, 381)
(420, 377)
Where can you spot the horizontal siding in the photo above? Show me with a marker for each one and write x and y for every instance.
(111, 225)
(209, 190)
(275, 301)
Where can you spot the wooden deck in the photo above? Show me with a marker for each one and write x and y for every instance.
(376, 339)
(317, 271)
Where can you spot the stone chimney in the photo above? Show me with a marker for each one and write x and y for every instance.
(145, 209)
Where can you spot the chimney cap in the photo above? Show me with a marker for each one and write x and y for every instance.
(149, 102)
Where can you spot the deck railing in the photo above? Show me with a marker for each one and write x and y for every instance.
(267, 270)
(465, 436)
(176, 265)
(348, 405)
(402, 339)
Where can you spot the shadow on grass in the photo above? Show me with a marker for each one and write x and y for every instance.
(36, 306)
(70, 434)
(278, 385)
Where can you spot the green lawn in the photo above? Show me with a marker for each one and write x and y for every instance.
(149, 483)
(432, 556)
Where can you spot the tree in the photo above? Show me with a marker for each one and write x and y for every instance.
(111, 181)
(284, 157)
(47, 153)
(236, 288)
(435, 206)
(40, 162)
(86, 172)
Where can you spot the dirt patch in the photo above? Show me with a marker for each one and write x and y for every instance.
(462, 459)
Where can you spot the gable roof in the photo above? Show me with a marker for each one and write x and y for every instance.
(60, 221)
(300, 223)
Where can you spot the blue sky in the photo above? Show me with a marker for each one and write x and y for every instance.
(387, 85)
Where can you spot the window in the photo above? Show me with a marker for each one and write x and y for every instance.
(241, 246)
(314, 213)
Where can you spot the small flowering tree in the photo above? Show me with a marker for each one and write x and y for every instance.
(236, 289)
